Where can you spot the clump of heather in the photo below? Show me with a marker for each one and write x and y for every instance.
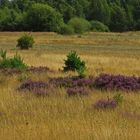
(105, 104)
(32, 69)
(39, 69)
(63, 81)
(32, 85)
(77, 91)
(10, 71)
(74, 81)
(117, 82)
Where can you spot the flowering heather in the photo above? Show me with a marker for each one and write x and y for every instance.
(72, 82)
(77, 91)
(39, 69)
(118, 82)
(9, 71)
(32, 85)
(104, 104)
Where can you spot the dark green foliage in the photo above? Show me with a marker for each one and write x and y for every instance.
(13, 63)
(98, 26)
(99, 10)
(66, 30)
(42, 17)
(79, 25)
(118, 19)
(74, 63)
(25, 42)
(48, 15)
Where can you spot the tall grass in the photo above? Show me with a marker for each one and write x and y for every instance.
(59, 117)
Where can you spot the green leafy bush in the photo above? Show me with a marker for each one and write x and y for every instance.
(25, 42)
(79, 25)
(15, 62)
(98, 26)
(74, 63)
(66, 30)
(118, 98)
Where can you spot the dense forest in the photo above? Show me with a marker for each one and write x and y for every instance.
(70, 16)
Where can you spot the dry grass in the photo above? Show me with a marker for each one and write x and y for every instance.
(26, 117)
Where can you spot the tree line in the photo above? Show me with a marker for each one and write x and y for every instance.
(70, 16)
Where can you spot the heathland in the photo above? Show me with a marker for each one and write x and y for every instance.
(25, 116)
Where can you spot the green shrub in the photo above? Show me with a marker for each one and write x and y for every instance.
(74, 63)
(98, 26)
(118, 98)
(79, 25)
(25, 42)
(15, 62)
(66, 30)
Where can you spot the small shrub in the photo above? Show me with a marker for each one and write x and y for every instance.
(79, 25)
(25, 42)
(66, 30)
(74, 63)
(118, 98)
(13, 63)
(98, 26)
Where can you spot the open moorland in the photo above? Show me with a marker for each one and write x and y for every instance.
(58, 115)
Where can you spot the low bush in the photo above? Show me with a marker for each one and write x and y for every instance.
(66, 30)
(79, 25)
(117, 82)
(13, 63)
(25, 42)
(74, 63)
(98, 26)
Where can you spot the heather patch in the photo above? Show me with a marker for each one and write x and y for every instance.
(117, 82)
(77, 91)
(74, 81)
(33, 85)
(12, 71)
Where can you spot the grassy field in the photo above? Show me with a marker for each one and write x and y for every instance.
(58, 117)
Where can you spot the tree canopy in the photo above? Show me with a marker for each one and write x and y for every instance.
(51, 15)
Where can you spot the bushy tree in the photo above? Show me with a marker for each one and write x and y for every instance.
(79, 25)
(42, 17)
(9, 19)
